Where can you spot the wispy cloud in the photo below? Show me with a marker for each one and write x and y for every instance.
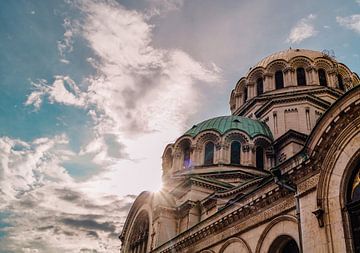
(351, 22)
(303, 29)
(162, 7)
(66, 44)
(63, 90)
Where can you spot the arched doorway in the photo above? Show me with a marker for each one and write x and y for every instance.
(284, 244)
(353, 207)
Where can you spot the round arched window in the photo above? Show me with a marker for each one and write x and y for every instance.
(284, 244)
(353, 207)
(300, 76)
(322, 77)
(209, 153)
(260, 157)
(140, 234)
(279, 79)
(235, 152)
(259, 86)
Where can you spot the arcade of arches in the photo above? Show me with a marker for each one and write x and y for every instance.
(281, 174)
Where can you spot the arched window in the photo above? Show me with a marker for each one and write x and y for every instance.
(260, 157)
(322, 77)
(186, 156)
(259, 86)
(235, 152)
(340, 82)
(300, 76)
(284, 244)
(209, 153)
(353, 207)
(245, 95)
(140, 234)
(279, 79)
(167, 160)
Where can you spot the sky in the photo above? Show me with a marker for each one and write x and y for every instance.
(93, 90)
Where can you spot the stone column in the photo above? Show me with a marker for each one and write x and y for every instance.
(309, 75)
(251, 89)
(288, 79)
(268, 82)
(315, 77)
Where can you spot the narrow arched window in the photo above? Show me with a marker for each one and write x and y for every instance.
(260, 157)
(186, 157)
(235, 152)
(259, 86)
(209, 153)
(300, 76)
(322, 77)
(340, 82)
(279, 79)
(353, 207)
(245, 94)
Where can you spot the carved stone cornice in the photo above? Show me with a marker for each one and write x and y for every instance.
(268, 74)
(287, 69)
(239, 215)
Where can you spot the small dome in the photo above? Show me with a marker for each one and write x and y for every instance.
(287, 55)
(225, 123)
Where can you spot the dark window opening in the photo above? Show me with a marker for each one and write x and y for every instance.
(279, 79)
(260, 157)
(245, 94)
(186, 157)
(209, 153)
(322, 77)
(284, 244)
(235, 152)
(301, 77)
(340, 82)
(353, 207)
(259, 86)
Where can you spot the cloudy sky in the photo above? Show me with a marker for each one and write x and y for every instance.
(93, 90)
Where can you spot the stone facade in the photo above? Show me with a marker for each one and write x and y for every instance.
(279, 175)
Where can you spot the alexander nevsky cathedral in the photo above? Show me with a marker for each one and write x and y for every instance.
(278, 175)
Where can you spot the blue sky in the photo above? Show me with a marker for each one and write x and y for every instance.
(92, 91)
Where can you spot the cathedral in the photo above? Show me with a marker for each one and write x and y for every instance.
(281, 174)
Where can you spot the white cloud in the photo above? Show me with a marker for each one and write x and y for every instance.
(162, 7)
(46, 209)
(26, 166)
(304, 29)
(351, 22)
(63, 90)
(138, 89)
(66, 44)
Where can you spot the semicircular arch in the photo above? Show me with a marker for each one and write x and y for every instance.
(235, 244)
(281, 225)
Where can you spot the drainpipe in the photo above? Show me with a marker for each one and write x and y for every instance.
(283, 183)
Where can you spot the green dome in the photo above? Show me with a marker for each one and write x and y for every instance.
(225, 123)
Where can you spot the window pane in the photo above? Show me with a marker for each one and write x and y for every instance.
(340, 82)
(209, 153)
(301, 78)
(259, 158)
(279, 79)
(235, 152)
(186, 156)
(322, 77)
(259, 86)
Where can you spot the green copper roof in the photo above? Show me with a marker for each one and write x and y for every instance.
(226, 123)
